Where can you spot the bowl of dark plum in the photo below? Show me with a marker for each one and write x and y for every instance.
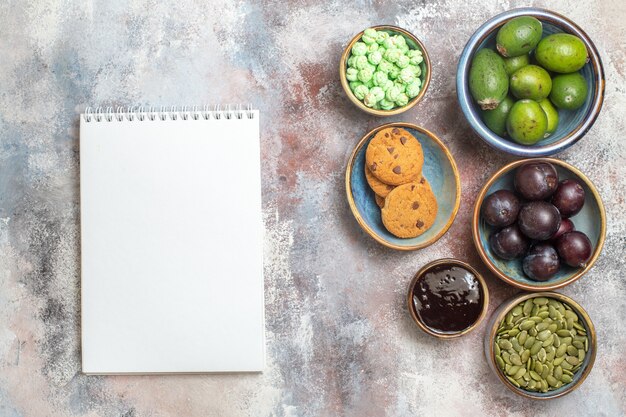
(539, 224)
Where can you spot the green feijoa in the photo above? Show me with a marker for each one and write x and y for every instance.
(553, 121)
(561, 52)
(488, 80)
(518, 36)
(569, 92)
(571, 350)
(527, 324)
(536, 347)
(527, 122)
(516, 359)
(496, 119)
(500, 362)
(531, 82)
(513, 381)
(540, 301)
(563, 333)
(543, 335)
(514, 63)
(566, 378)
(505, 344)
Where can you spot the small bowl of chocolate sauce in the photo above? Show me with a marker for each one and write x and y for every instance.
(448, 298)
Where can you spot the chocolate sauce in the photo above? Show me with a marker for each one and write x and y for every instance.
(448, 298)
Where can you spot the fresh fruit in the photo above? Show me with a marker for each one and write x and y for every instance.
(500, 208)
(574, 248)
(569, 91)
(509, 243)
(566, 226)
(561, 52)
(531, 82)
(488, 81)
(518, 36)
(569, 197)
(514, 63)
(539, 220)
(542, 262)
(552, 114)
(527, 123)
(536, 180)
(496, 119)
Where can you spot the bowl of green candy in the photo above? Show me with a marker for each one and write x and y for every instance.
(385, 70)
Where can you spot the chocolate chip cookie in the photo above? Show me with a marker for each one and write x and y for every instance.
(410, 209)
(379, 187)
(394, 156)
(380, 201)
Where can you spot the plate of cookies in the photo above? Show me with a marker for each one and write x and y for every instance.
(403, 186)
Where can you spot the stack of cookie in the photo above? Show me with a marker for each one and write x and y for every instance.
(393, 169)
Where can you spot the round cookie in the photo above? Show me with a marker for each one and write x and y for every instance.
(394, 156)
(379, 187)
(380, 201)
(410, 210)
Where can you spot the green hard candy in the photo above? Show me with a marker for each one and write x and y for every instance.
(527, 122)
(562, 53)
(518, 36)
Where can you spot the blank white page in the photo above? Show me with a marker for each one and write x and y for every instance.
(171, 235)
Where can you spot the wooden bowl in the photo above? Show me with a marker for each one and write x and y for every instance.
(414, 43)
(591, 220)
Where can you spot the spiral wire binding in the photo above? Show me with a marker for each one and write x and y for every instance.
(141, 113)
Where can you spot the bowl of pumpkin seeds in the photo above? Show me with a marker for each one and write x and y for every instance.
(541, 345)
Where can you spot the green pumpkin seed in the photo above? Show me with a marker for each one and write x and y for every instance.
(532, 384)
(525, 356)
(566, 341)
(513, 370)
(500, 362)
(563, 333)
(548, 341)
(571, 315)
(568, 372)
(522, 337)
(535, 348)
(572, 360)
(543, 315)
(514, 382)
(578, 344)
(543, 335)
(586, 345)
(570, 323)
(516, 360)
(540, 301)
(561, 351)
(496, 349)
(517, 311)
(541, 326)
(534, 311)
(557, 341)
(581, 355)
(541, 355)
(528, 307)
(557, 361)
(545, 372)
(566, 365)
(559, 384)
(513, 332)
(527, 325)
(550, 355)
(538, 367)
(544, 385)
(516, 346)
(505, 344)
(520, 373)
(558, 371)
(571, 350)
(529, 342)
(551, 380)
(566, 379)
(534, 375)
(536, 319)
(553, 327)
(533, 332)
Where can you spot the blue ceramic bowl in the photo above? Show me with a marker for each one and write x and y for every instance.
(573, 124)
(439, 169)
(590, 220)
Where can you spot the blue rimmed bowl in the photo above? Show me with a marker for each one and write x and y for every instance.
(591, 220)
(573, 124)
(439, 169)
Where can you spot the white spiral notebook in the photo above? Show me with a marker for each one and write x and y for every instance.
(171, 236)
